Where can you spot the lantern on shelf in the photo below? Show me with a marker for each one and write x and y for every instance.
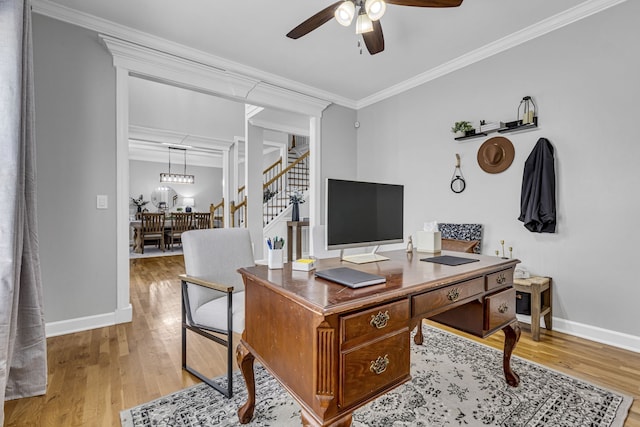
(527, 110)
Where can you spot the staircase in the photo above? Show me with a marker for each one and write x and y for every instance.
(278, 184)
(278, 189)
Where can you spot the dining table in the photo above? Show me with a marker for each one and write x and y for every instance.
(138, 241)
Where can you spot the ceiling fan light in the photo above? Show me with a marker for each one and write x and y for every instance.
(375, 9)
(363, 24)
(345, 12)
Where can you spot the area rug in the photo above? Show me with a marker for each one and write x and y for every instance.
(455, 382)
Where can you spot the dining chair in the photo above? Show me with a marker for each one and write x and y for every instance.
(201, 220)
(180, 222)
(213, 291)
(152, 228)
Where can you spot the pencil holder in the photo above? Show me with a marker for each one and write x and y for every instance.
(275, 258)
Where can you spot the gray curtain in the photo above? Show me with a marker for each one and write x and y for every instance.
(23, 353)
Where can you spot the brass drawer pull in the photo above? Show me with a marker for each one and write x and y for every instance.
(380, 320)
(453, 294)
(503, 307)
(379, 365)
(501, 279)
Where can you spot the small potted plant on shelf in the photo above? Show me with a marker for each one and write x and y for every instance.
(461, 129)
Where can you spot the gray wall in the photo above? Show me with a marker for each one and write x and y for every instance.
(338, 147)
(76, 160)
(584, 79)
(144, 177)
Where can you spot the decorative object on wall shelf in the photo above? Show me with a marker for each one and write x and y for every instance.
(462, 128)
(491, 126)
(496, 154)
(517, 126)
(457, 180)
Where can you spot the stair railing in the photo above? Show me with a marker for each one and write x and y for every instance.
(241, 210)
(217, 215)
(274, 190)
(274, 196)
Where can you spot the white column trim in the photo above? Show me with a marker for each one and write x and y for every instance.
(124, 311)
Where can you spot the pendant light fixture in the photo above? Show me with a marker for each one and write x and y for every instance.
(345, 12)
(369, 10)
(177, 178)
(364, 24)
(375, 9)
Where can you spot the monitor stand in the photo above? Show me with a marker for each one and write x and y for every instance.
(363, 258)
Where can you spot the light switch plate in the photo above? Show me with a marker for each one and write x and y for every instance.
(102, 201)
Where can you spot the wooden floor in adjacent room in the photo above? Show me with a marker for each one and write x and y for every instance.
(93, 375)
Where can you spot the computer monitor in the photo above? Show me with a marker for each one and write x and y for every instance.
(363, 214)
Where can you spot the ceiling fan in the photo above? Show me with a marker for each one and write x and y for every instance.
(368, 18)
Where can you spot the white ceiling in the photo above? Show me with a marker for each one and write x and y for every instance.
(249, 37)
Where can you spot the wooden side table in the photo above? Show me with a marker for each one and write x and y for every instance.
(541, 301)
(295, 227)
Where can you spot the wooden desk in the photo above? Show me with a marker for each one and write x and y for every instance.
(295, 227)
(335, 349)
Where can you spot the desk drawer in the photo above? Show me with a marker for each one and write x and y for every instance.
(500, 279)
(371, 368)
(499, 309)
(433, 300)
(376, 322)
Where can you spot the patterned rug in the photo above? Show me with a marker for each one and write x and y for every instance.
(455, 382)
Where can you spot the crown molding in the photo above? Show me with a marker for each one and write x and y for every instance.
(274, 83)
(112, 29)
(531, 32)
(198, 142)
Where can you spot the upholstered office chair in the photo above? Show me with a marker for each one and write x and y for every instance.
(180, 222)
(213, 291)
(202, 220)
(152, 229)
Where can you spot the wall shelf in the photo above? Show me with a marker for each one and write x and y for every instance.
(473, 135)
(518, 126)
(515, 126)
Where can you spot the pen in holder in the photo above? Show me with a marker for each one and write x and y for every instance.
(275, 253)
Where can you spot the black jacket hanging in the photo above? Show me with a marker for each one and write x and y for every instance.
(538, 198)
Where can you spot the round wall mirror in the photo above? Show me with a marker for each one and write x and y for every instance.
(164, 197)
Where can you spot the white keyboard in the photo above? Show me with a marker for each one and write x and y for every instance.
(364, 258)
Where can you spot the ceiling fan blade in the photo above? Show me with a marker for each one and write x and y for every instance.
(426, 3)
(314, 22)
(374, 39)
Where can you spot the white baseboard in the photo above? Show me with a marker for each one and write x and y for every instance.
(80, 324)
(592, 333)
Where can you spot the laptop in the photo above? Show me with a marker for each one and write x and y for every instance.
(350, 277)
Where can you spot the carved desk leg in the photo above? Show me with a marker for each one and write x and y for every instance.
(511, 337)
(245, 361)
(418, 338)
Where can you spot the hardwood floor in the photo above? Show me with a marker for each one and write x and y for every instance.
(93, 375)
